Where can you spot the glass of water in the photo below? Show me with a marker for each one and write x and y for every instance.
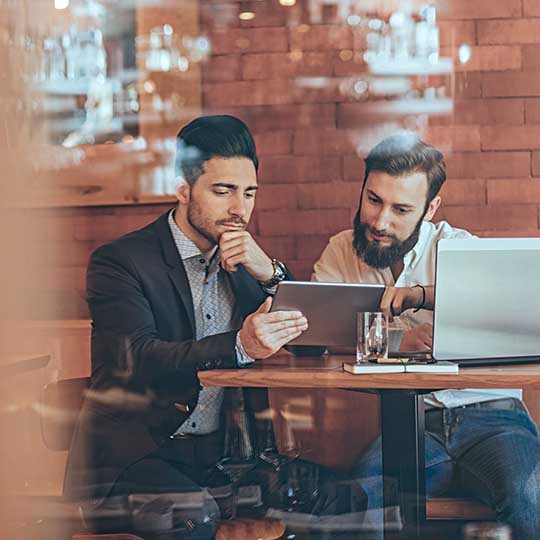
(371, 336)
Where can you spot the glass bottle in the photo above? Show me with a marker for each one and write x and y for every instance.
(238, 452)
(402, 32)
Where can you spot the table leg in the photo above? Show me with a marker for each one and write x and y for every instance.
(403, 452)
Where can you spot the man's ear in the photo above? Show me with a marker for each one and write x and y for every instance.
(432, 208)
(183, 191)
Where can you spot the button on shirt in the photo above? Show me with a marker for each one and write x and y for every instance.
(213, 303)
(339, 263)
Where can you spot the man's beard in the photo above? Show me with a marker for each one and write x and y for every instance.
(378, 256)
(208, 228)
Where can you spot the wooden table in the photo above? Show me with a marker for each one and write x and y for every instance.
(402, 409)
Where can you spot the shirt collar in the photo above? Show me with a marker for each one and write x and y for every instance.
(186, 247)
(415, 254)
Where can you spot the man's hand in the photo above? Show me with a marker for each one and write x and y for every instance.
(417, 339)
(264, 333)
(396, 300)
(238, 247)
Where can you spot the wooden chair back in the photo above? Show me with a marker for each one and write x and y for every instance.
(61, 402)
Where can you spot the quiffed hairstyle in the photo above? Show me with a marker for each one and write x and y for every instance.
(212, 136)
(406, 153)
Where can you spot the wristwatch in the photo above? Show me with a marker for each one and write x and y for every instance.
(280, 273)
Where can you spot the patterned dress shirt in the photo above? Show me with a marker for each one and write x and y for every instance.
(213, 302)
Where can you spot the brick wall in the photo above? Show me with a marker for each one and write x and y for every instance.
(310, 168)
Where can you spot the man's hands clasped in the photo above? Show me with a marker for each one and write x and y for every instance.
(264, 333)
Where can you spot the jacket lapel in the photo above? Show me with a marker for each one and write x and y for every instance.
(177, 272)
(248, 293)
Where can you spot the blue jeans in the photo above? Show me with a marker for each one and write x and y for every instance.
(488, 453)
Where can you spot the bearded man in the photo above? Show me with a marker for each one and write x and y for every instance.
(479, 443)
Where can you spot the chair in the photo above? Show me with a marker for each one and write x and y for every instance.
(61, 402)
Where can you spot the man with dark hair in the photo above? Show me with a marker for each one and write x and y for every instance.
(188, 292)
(478, 442)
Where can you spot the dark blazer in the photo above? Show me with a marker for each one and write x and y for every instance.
(144, 356)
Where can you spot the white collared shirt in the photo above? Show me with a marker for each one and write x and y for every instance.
(339, 263)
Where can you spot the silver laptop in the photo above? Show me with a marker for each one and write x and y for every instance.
(487, 301)
(330, 308)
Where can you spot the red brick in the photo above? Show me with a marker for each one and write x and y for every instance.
(347, 63)
(511, 137)
(268, 13)
(532, 111)
(320, 37)
(324, 142)
(273, 142)
(458, 138)
(214, 15)
(253, 225)
(511, 84)
(280, 117)
(508, 31)
(488, 58)
(527, 233)
(464, 192)
(289, 169)
(501, 217)
(530, 57)
(319, 90)
(286, 65)
(489, 111)
(247, 93)
(222, 68)
(353, 168)
(531, 8)
(301, 270)
(276, 197)
(455, 33)
(311, 247)
(249, 39)
(515, 191)
(280, 247)
(328, 195)
(481, 9)
(354, 114)
(468, 85)
(488, 165)
(303, 222)
(535, 164)
(108, 227)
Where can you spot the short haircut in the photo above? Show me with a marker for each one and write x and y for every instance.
(405, 153)
(212, 136)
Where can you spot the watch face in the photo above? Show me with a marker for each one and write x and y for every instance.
(280, 270)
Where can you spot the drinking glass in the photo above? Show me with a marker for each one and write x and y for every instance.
(371, 336)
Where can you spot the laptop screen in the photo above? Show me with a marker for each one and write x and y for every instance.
(487, 299)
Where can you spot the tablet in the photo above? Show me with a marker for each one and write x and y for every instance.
(330, 309)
